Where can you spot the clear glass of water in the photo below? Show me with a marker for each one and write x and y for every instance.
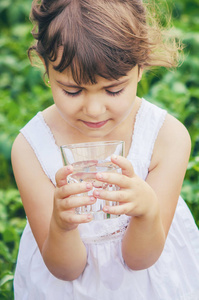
(88, 159)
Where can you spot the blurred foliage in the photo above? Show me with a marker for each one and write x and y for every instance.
(23, 94)
(12, 223)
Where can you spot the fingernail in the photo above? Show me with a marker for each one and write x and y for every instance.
(89, 217)
(99, 176)
(96, 193)
(105, 209)
(92, 199)
(88, 186)
(115, 157)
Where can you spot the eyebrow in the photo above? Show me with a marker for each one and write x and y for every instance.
(72, 85)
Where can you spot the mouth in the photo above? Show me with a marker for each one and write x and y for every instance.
(95, 124)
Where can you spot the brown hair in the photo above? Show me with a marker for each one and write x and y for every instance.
(99, 37)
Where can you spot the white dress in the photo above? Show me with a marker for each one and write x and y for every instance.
(175, 276)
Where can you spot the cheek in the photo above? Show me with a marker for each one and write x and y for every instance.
(65, 105)
(123, 108)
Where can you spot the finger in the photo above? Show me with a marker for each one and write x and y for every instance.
(121, 196)
(124, 164)
(73, 218)
(61, 175)
(115, 178)
(73, 189)
(118, 209)
(76, 201)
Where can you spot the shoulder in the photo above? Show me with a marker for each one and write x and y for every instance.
(32, 132)
(23, 157)
(173, 141)
(173, 131)
(20, 146)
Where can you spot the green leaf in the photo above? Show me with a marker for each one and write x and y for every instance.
(6, 278)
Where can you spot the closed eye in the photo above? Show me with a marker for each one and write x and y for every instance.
(72, 94)
(114, 93)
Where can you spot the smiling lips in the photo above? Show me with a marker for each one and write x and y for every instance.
(95, 125)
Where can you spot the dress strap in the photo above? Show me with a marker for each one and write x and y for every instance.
(149, 120)
(41, 139)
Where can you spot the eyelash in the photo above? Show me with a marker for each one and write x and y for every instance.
(112, 94)
(72, 94)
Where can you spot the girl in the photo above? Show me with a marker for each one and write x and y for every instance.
(94, 52)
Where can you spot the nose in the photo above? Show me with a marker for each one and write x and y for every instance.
(94, 106)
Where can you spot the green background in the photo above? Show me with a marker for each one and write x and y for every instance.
(23, 93)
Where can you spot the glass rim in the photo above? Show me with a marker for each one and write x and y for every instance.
(91, 144)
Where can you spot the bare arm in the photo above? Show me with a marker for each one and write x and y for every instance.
(151, 203)
(146, 235)
(50, 213)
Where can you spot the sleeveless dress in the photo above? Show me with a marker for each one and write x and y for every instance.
(175, 276)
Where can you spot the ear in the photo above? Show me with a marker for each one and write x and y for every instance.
(140, 72)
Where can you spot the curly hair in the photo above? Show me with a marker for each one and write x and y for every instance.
(99, 37)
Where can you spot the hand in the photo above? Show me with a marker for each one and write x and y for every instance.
(66, 200)
(135, 197)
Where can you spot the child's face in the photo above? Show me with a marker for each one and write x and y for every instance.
(95, 110)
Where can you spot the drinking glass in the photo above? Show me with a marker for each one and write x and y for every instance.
(88, 159)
